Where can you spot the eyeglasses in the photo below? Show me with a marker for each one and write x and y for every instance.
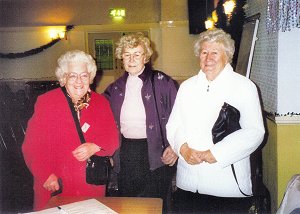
(135, 56)
(84, 77)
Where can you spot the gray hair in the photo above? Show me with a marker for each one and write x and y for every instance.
(216, 35)
(74, 56)
(132, 41)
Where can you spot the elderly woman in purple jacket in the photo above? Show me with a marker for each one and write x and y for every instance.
(142, 100)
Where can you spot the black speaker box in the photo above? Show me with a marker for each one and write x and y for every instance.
(198, 11)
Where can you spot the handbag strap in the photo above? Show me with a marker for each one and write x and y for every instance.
(157, 112)
(233, 171)
(81, 136)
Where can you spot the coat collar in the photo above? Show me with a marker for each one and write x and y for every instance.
(220, 78)
(146, 73)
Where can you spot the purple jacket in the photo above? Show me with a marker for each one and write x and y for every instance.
(165, 91)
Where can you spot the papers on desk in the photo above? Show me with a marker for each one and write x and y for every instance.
(90, 206)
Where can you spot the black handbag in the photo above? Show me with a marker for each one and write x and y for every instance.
(227, 123)
(98, 170)
(97, 167)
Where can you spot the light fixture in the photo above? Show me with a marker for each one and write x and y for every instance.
(209, 24)
(229, 6)
(57, 33)
(62, 34)
(211, 21)
(214, 16)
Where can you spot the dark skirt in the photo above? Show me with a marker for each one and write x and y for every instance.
(136, 179)
(189, 202)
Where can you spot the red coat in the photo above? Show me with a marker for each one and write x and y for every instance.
(51, 136)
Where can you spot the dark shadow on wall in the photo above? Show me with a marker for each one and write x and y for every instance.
(97, 79)
(16, 181)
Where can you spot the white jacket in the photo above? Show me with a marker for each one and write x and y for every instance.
(196, 109)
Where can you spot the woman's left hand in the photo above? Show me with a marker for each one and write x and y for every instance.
(169, 156)
(85, 151)
(51, 184)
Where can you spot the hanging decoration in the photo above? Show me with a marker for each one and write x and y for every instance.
(282, 15)
(35, 50)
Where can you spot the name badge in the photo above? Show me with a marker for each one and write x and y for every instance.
(85, 127)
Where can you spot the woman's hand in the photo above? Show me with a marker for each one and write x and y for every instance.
(191, 156)
(169, 157)
(207, 156)
(51, 183)
(111, 161)
(85, 151)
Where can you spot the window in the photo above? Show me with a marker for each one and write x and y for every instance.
(104, 54)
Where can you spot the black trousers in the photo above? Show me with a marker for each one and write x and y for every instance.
(136, 179)
(188, 202)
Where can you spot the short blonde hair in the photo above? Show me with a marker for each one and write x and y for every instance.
(132, 41)
(216, 35)
(74, 56)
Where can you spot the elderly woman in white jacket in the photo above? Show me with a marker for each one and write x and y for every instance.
(205, 179)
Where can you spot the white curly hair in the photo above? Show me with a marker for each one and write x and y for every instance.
(61, 71)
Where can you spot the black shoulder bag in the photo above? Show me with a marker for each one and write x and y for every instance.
(227, 123)
(97, 167)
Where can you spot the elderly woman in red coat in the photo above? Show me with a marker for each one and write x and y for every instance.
(52, 148)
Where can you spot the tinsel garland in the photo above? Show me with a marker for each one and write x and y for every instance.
(281, 115)
(35, 50)
(30, 52)
(282, 15)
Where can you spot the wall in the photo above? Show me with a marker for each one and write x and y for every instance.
(151, 12)
(177, 61)
(275, 64)
(39, 66)
(270, 164)
(275, 70)
(177, 51)
(288, 71)
(169, 34)
(264, 65)
(288, 148)
(281, 158)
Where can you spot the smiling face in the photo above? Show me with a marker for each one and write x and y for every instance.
(77, 80)
(212, 59)
(134, 59)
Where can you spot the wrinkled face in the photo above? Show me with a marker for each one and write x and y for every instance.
(134, 59)
(212, 59)
(78, 80)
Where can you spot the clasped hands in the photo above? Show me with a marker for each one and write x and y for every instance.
(192, 156)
